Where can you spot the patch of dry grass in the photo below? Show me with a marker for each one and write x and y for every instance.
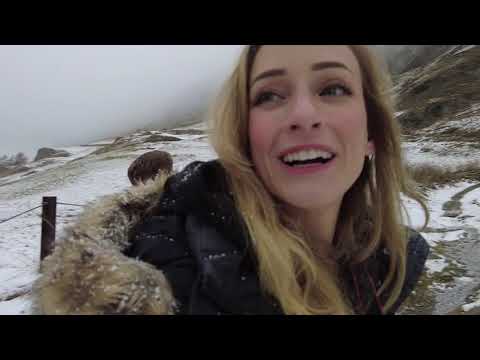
(432, 176)
(7, 171)
(455, 134)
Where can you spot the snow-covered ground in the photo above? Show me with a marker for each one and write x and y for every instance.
(90, 177)
(443, 154)
(453, 268)
(473, 304)
(451, 153)
(46, 164)
(77, 183)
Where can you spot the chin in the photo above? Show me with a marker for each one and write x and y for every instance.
(310, 200)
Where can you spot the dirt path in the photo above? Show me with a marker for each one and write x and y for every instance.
(465, 252)
(453, 278)
(453, 207)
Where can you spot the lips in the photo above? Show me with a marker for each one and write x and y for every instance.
(299, 148)
(302, 159)
(306, 155)
(317, 167)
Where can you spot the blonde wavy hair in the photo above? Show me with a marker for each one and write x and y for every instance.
(288, 269)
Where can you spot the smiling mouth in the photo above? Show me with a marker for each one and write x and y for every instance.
(297, 163)
(319, 160)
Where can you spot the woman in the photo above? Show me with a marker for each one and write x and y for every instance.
(300, 214)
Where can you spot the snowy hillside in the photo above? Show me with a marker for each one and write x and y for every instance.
(80, 179)
(403, 58)
(439, 110)
(452, 279)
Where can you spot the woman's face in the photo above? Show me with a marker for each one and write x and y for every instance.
(307, 123)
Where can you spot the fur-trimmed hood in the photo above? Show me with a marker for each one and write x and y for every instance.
(88, 272)
(94, 268)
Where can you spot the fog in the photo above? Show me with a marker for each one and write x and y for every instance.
(389, 51)
(68, 95)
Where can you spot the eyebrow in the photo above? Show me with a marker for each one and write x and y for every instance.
(315, 67)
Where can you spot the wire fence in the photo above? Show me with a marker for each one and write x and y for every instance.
(48, 222)
(60, 203)
(35, 208)
(18, 215)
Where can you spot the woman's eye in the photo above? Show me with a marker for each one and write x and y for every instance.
(267, 96)
(335, 90)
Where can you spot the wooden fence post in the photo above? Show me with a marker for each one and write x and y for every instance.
(49, 216)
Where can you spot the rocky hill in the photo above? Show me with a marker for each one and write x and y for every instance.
(444, 89)
(403, 58)
(438, 104)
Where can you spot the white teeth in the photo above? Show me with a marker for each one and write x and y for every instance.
(307, 155)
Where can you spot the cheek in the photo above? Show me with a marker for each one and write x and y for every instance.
(353, 129)
(263, 131)
(261, 135)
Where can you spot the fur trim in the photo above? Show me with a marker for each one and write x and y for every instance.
(88, 273)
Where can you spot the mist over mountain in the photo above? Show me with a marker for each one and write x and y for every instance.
(66, 95)
(403, 58)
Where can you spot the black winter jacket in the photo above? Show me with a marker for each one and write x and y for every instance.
(198, 240)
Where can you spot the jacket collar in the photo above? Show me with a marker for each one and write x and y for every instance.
(201, 190)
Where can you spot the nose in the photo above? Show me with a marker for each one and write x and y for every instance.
(304, 114)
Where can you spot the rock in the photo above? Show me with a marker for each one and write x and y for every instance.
(158, 138)
(186, 131)
(452, 208)
(45, 153)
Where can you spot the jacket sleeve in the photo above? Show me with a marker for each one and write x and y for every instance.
(417, 254)
(161, 241)
(89, 273)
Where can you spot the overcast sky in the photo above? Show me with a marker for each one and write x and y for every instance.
(69, 95)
